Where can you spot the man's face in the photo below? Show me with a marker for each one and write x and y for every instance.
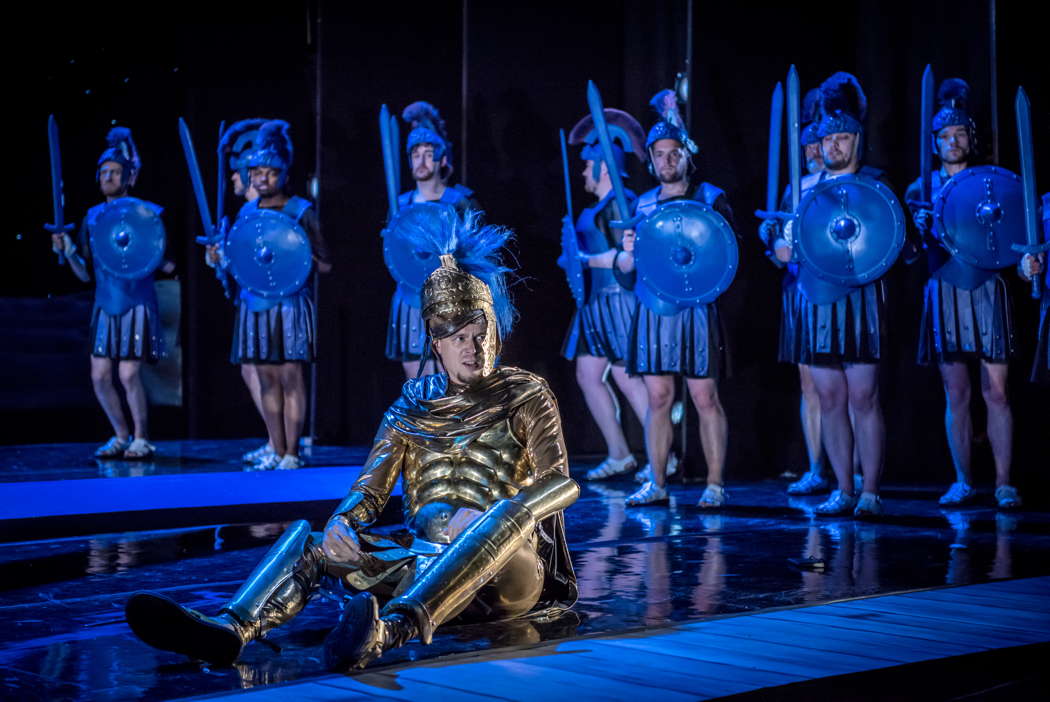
(814, 158)
(953, 144)
(589, 183)
(669, 160)
(423, 166)
(461, 353)
(110, 177)
(239, 186)
(265, 180)
(839, 150)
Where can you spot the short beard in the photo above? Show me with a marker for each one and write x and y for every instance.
(675, 178)
(963, 157)
(836, 165)
(429, 176)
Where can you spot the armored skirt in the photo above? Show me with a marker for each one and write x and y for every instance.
(278, 334)
(849, 330)
(690, 342)
(602, 327)
(405, 333)
(788, 349)
(1041, 366)
(134, 335)
(960, 324)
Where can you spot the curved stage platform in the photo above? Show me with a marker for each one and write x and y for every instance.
(760, 601)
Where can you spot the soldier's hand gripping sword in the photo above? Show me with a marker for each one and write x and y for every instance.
(1031, 206)
(387, 137)
(212, 235)
(594, 101)
(57, 199)
(794, 109)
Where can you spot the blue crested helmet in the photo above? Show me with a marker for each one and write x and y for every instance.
(427, 128)
(843, 105)
(273, 148)
(237, 142)
(671, 125)
(624, 132)
(120, 148)
(953, 96)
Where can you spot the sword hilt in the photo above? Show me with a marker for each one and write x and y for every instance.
(60, 229)
(626, 223)
(774, 214)
(1034, 250)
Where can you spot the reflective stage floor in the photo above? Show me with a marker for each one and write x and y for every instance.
(640, 571)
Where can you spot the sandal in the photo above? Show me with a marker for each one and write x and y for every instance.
(138, 449)
(714, 496)
(114, 448)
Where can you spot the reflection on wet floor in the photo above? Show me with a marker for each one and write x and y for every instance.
(61, 606)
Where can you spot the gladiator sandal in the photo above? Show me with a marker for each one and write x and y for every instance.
(958, 494)
(256, 455)
(612, 467)
(714, 496)
(838, 504)
(114, 448)
(139, 449)
(810, 483)
(645, 475)
(648, 494)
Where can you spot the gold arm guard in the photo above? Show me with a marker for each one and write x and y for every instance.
(480, 552)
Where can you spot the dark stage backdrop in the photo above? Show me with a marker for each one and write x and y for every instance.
(526, 74)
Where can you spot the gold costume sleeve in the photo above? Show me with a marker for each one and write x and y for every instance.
(372, 488)
(537, 426)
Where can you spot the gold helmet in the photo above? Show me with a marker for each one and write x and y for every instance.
(469, 284)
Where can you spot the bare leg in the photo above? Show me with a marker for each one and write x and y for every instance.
(273, 405)
(250, 374)
(412, 368)
(957, 422)
(658, 429)
(1000, 418)
(590, 375)
(862, 380)
(809, 411)
(131, 378)
(102, 381)
(634, 390)
(294, 390)
(714, 428)
(834, 423)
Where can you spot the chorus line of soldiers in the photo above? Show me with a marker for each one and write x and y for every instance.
(646, 272)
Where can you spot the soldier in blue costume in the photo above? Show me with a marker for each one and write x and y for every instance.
(1029, 267)
(966, 313)
(277, 334)
(788, 350)
(430, 158)
(841, 340)
(234, 145)
(597, 338)
(125, 320)
(691, 342)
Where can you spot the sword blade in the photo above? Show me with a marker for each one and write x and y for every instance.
(776, 124)
(389, 154)
(56, 172)
(594, 101)
(794, 110)
(565, 173)
(195, 178)
(220, 185)
(395, 149)
(925, 135)
(1023, 108)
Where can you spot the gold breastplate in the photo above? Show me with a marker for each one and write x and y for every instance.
(477, 474)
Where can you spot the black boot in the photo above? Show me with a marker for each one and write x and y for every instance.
(163, 623)
(362, 636)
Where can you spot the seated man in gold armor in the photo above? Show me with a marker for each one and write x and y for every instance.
(481, 456)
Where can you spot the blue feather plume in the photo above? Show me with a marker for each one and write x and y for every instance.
(475, 247)
(236, 129)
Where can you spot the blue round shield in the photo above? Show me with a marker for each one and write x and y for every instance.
(686, 255)
(409, 266)
(127, 239)
(848, 230)
(979, 215)
(268, 253)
